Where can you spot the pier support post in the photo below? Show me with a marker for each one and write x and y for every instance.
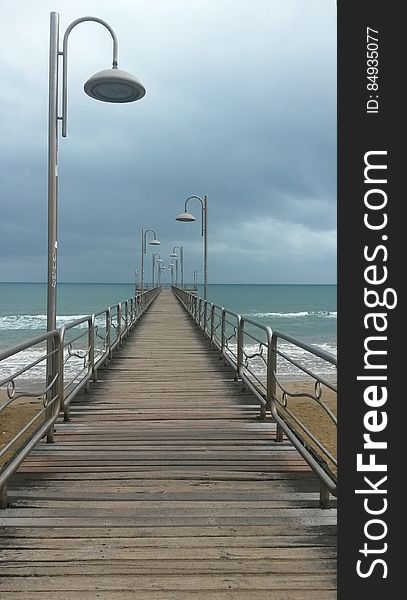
(3, 496)
(323, 495)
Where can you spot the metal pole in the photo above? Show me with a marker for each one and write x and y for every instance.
(51, 367)
(205, 217)
(52, 173)
(176, 272)
(182, 267)
(142, 260)
(153, 261)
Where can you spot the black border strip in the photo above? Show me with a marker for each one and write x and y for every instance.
(360, 195)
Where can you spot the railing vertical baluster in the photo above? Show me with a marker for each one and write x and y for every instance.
(119, 322)
(240, 335)
(91, 338)
(51, 392)
(273, 367)
(323, 495)
(108, 332)
(212, 321)
(271, 372)
(223, 332)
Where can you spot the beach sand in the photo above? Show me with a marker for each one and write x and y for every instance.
(21, 411)
(14, 418)
(313, 416)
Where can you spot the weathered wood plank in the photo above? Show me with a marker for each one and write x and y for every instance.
(165, 482)
(235, 594)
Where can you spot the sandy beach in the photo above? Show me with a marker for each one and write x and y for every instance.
(313, 416)
(306, 410)
(14, 418)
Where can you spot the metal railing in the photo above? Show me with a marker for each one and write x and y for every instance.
(291, 380)
(74, 352)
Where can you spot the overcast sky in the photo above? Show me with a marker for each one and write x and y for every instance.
(240, 105)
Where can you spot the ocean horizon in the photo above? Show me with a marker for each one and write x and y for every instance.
(308, 312)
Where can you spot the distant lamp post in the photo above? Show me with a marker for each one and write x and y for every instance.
(159, 269)
(154, 261)
(171, 268)
(153, 242)
(187, 217)
(136, 274)
(110, 85)
(181, 256)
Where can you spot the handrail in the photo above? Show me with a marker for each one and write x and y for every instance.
(256, 353)
(88, 342)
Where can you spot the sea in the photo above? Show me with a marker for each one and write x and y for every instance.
(306, 312)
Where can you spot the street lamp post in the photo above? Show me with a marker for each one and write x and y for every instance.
(181, 256)
(153, 261)
(187, 217)
(160, 266)
(153, 242)
(110, 85)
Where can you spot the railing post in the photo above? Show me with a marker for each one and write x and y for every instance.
(61, 374)
(109, 332)
(3, 496)
(212, 322)
(323, 495)
(119, 322)
(271, 373)
(272, 367)
(53, 361)
(126, 318)
(240, 333)
(223, 332)
(91, 343)
(205, 312)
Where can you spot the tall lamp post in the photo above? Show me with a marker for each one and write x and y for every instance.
(181, 256)
(187, 217)
(109, 85)
(153, 261)
(153, 242)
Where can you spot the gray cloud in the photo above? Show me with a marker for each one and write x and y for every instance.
(240, 105)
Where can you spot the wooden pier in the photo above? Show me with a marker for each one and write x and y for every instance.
(165, 485)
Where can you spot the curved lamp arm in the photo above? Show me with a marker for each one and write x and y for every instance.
(65, 61)
(203, 209)
(145, 236)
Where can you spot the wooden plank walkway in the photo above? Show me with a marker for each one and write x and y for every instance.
(165, 485)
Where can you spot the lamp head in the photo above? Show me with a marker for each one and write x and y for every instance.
(155, 242)
(114, 85)
(186, 217)
(173, 255)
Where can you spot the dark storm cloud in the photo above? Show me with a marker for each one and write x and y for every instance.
(240, 105)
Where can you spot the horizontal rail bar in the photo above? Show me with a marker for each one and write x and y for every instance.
(63, 386)
(266, 391)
